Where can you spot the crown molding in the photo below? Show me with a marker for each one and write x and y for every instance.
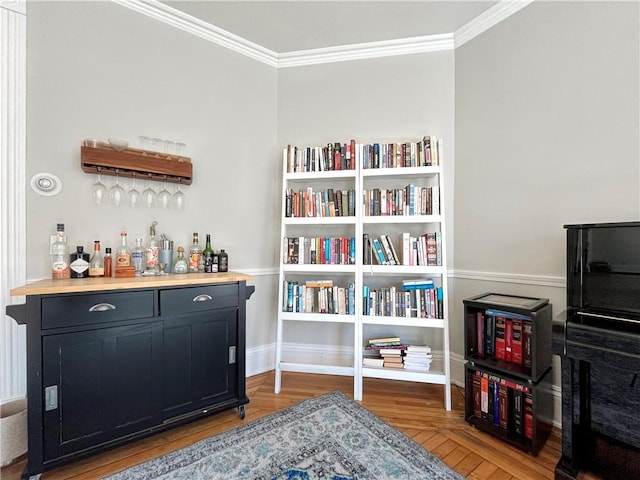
(199, 28)
(360, 51)
(405, 46)
(488, 19)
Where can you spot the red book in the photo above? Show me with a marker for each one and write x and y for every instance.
(516, 343)
(499, 335)
(484, 396)
(528, 416)
(508, 336)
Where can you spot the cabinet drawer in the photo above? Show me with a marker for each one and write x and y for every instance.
(197, 299)
(66, 311)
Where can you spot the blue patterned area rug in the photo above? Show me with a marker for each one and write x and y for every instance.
(326, 438)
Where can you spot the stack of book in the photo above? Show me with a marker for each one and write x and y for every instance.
(392, 357)
(384, 352)
(418, 357)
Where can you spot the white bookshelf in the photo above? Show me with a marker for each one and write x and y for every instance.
(436, 329)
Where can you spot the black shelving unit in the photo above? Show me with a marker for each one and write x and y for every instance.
(508, 382)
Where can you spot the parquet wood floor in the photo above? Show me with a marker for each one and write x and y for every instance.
(414, 408)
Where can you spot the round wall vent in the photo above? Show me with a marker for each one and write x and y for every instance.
(46, 184)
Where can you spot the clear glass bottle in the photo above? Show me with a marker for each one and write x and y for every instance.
(123, 255)
(137, 257)
(96, 264)
(208, 255)
(79, 263)
(108, 262)
(181, 265)
(195, 253)
(60, 255)
(152, 252)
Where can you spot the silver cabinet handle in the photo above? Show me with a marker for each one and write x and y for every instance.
(202, 298)
(102, 307)
(50, 398)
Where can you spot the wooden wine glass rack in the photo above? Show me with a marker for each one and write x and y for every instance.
(104, 159)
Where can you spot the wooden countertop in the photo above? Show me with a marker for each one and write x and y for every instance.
(75, 285)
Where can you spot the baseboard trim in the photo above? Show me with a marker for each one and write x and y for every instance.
(262, 359)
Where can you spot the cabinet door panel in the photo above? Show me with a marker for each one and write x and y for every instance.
(178, 365)
(107, 383)
(198, 372)
(217, 336)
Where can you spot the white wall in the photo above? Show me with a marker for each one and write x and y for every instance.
(96, 69)
(392, 98)
(547, 134)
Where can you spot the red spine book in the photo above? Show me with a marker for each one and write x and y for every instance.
(516, 344)
(528, 416)
(476, 389)
(508, 336)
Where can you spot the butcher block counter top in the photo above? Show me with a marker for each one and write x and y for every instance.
(76, 285)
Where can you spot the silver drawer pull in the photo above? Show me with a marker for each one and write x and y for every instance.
(102, 307)
(202, 298)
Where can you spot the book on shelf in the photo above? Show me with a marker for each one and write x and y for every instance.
(372, 362)
(384, 341)
(503, 403)
(516, 341)
(333, 156)
(526, 344)
(499, 334)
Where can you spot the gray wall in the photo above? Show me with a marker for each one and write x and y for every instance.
(393, 98)
(96, 69)
(547, 133)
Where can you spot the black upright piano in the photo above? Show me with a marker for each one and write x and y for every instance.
(598, 340)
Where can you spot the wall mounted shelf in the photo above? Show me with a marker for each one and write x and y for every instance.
(142, 163)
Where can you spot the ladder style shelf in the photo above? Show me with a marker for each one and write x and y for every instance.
(304, 187)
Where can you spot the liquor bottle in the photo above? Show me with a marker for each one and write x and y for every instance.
(108, 262)
(60, 256)
(207, 255)
(79, 263)
(96, 264)
(152, 252)
(137, 257)
(181, 265)
(123, 255)
(195, 253)
(223, 261)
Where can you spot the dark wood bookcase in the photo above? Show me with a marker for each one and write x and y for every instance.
(508, 370)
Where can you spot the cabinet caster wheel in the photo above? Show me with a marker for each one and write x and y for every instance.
(241, 411)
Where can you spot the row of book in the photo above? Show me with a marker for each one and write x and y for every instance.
(423, 153)
(333, 156)
(425, 249)
(327, 203)
(420, 302)
(504, 336)
(506, 404)
(410, 200)
(318, 296)
(345, 156)
(319, 250)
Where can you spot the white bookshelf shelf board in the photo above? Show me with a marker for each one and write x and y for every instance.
(314, 176)
(318, 317)
(401, 219)
(432, 376)
(403, 321)
(414, 270)
(400, 172)
(318, 268)
(320, 221)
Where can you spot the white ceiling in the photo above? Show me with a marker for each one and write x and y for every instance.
(287, 26)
